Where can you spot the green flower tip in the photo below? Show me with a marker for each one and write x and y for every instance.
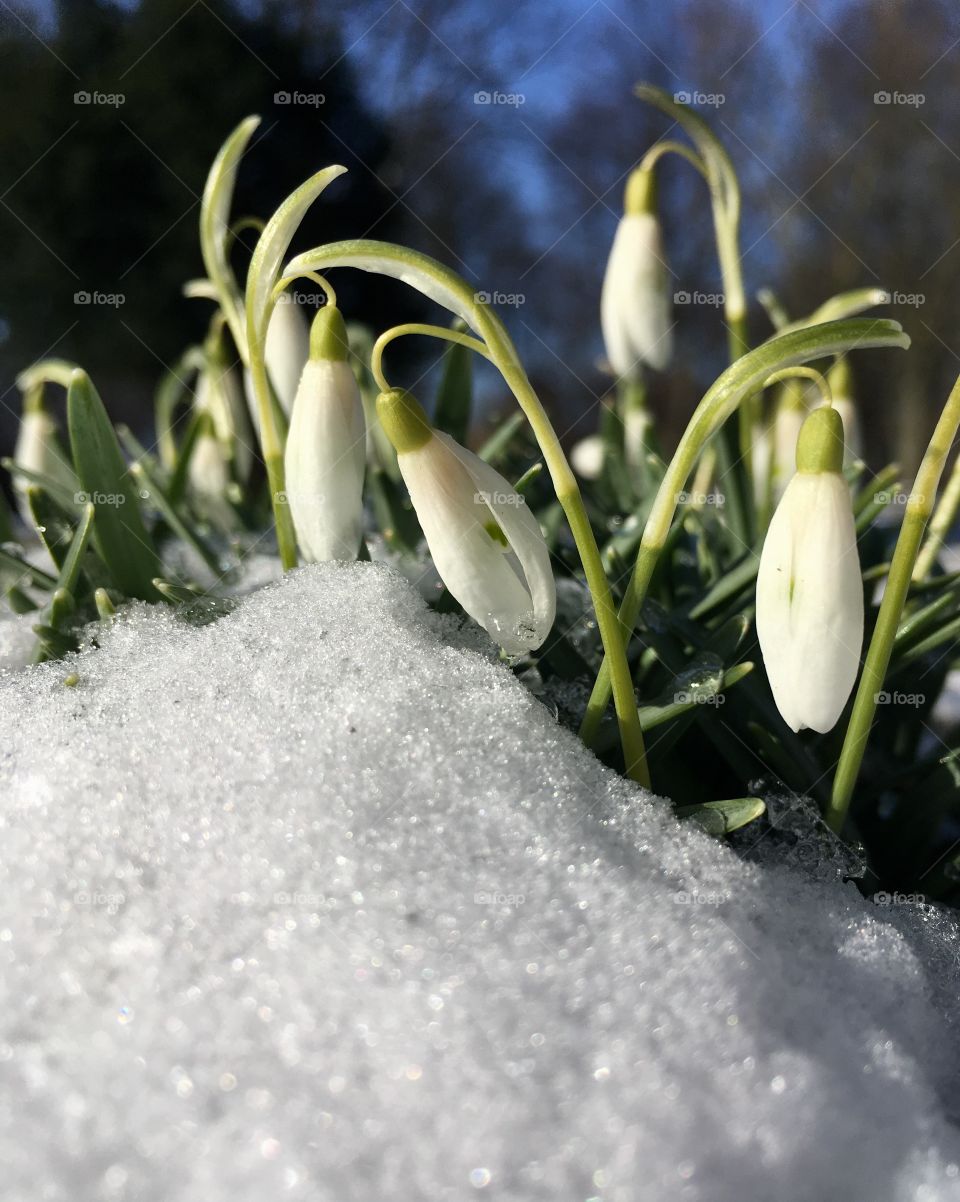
(403, 420)
(640, 194)
(328, 335)
(820, 445)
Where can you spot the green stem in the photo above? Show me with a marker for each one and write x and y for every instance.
(414, 327)
(940, 524)
(272, 448)
(919, 508)
(741, 379)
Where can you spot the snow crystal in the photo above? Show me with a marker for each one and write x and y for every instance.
(317, 902)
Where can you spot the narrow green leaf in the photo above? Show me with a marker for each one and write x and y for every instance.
(119, 533)
(499, 441)
(215, 227)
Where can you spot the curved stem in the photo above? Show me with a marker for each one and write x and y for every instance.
(448, 335)
(283, 284)
(446, 287)
(919, 508)
(655, 153)
(803, 373)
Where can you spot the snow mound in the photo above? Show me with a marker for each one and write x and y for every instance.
(317, 902)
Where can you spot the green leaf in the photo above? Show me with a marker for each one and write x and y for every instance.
(119, 534)
(18, 571)
(455, 394)
(723, 817)
(52, 524)
(273, 245)
(152, 489)
(70, 571)
(59, 491)
(499, 441)
(215, 227)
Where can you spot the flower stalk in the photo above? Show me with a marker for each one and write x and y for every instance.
(918, 510)
(444, 286)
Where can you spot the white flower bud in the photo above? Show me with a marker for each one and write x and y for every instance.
(326, 448)
(485, 542)
(635, 306)
(809, 587)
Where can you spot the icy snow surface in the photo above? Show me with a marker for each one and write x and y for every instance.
(317, 902)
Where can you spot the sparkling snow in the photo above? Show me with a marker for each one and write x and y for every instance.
(317, 902)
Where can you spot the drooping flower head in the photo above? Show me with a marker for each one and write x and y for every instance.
(325, 454)
(635, 306)
(809, 587)
(485, 542)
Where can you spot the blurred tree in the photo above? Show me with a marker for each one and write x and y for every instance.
(108, 128)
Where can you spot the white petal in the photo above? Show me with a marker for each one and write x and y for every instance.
(635, 311)
(810, 601)
(523, 533)
(286, 350)
(209, 475)
(447, 492)
(219, 393)
(324, 462)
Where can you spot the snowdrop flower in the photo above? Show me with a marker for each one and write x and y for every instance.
(485, 543)
(219, 393)
(635, 302)
(208, 474)
(326, 447)
(38, 449)
(809, 588)
(286, 350)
